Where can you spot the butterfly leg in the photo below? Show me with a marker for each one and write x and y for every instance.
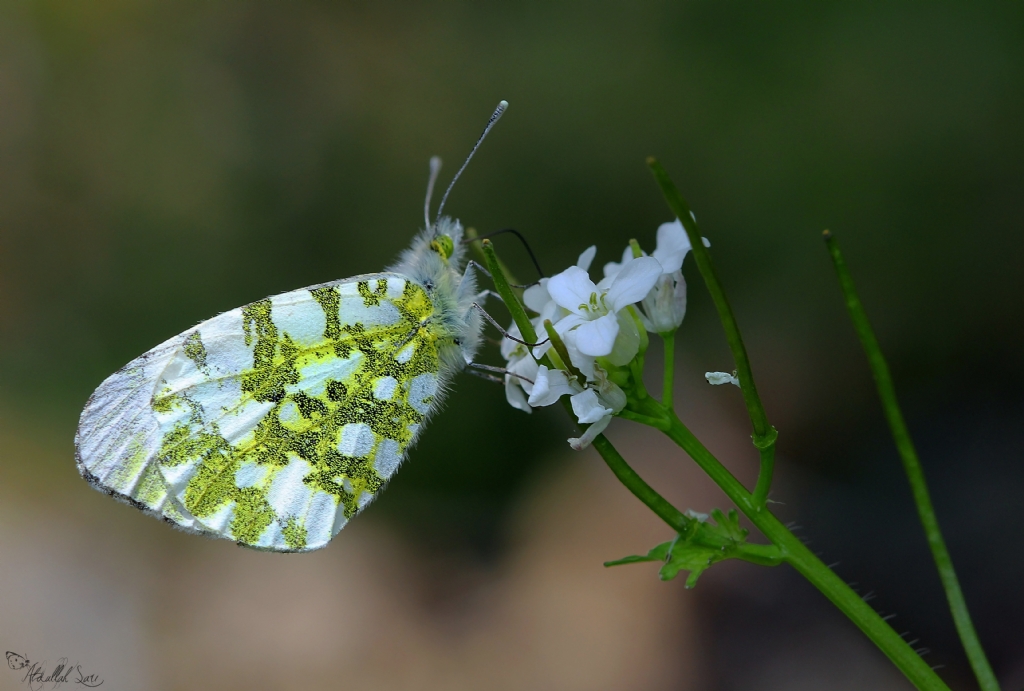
(484, 294)
(485, 376)
(498, 370)
(484, 372)
(505, 333)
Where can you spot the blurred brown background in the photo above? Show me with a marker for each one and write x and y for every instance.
(162, 162)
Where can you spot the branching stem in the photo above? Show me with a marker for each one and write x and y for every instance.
(795, 552)
(764, 434)
(659, 415)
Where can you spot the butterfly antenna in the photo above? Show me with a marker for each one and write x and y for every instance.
(498, 112)
(435, 168)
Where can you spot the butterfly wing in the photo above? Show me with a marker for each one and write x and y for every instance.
(272, 424)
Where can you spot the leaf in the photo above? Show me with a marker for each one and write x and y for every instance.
(702, 544)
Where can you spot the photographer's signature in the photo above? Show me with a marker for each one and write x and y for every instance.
(37, 676)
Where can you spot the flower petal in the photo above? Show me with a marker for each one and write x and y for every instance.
(634, 282)
(537, 297)
(515, 396)
(510, 348)
(571, 288)
(718, 378)
(526, 367)
(610, 395)
(568, 323)
(587, 408)
(597, 338)
(561, 327)
(549, 386)
(665, 305)
(587, 257)
(551, 311)
(673, 244)
(584, 363)
(582, 442)
(612, 268)
(627, 341)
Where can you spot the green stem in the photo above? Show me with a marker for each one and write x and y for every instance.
(655, 422)
(764, 434)
(764, 477)
(635, 484)
(915, 475)
(764, 555)
(471, 238)
(563, 353)
(707, 271)
(669, 341)
(812, 568)
(515, 307)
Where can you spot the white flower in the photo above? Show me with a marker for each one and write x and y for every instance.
(612, 268)
(595, 311)
(587, 407)
(592, 406)
(550, 385)
(672, 246)
(590, 434)
(719, 378)
(664, 307)
(537, 298)
(609, 391)
(593, 322)
(520, 363)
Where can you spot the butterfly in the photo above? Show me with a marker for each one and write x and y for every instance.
(275, 423)
(16, 661)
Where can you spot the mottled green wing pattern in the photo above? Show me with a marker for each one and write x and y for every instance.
(272, 424)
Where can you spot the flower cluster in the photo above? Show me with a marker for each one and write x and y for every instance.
(602, 327)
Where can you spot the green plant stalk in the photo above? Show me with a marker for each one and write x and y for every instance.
(563, 353)
(796, 554)
(669, 341)
(915, 474)
(764, 434)
(764, 476)
(511, 300)
(764, 555)
(677, 520)
(478, 250)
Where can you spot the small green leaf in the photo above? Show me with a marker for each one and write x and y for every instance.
(705, 543)
(692, 558)
(656, 554)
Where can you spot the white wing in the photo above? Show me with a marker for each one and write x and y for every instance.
(274, 423)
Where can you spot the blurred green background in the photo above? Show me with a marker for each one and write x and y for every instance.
(163, 162)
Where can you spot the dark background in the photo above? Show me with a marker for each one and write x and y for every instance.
(163, 162)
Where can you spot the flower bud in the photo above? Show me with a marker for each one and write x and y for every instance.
(665, 306)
